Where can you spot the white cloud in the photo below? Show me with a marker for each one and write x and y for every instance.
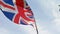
(27, 29)
(3, 31)
(57, 21)
(56, 15)
(43, 30)
(56, 24)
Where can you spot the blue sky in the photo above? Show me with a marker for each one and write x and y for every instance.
(47, 16)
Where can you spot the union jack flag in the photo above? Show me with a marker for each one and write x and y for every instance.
(17, 11)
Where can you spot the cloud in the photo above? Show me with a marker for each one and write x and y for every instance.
(56, 24)
(56, 15)
(3, 31)
(43, 30)
(27, 29)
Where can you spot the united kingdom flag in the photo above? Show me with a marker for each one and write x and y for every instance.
(17, 11)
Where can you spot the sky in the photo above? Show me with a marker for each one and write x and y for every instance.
(47, 16)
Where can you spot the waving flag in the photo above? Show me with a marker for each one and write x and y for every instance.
(17, 11)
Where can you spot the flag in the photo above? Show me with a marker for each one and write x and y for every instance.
(17, 11)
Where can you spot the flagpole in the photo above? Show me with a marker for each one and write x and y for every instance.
(36, 28)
